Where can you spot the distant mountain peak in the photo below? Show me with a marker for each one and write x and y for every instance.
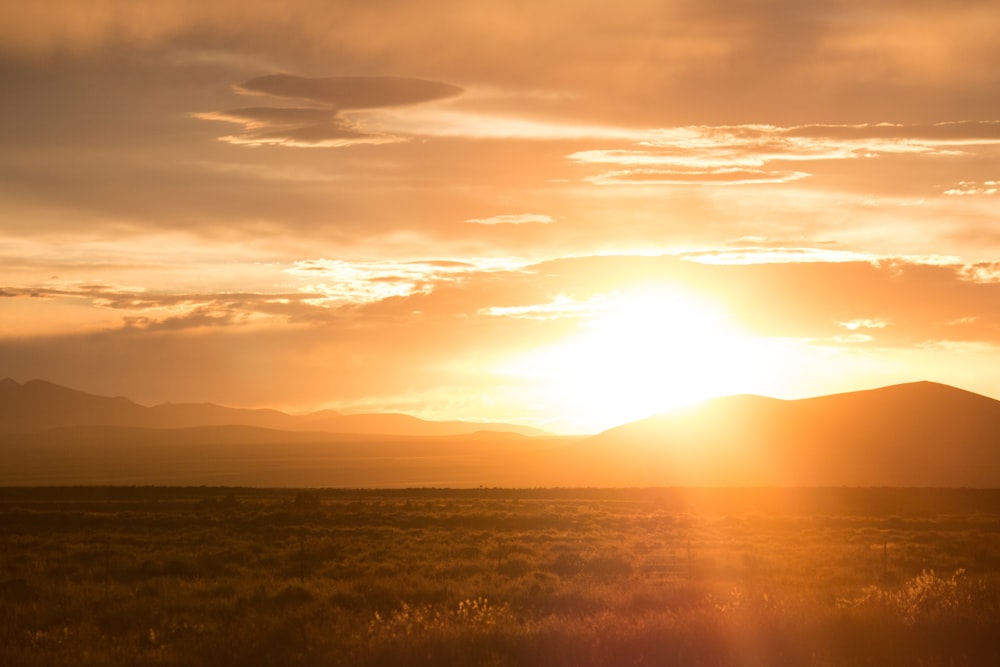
(39, 405)
(911, 434)
(917, 434)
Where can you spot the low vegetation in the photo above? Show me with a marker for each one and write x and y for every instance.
(240, 577)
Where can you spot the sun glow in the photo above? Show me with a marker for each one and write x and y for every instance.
(640, 353)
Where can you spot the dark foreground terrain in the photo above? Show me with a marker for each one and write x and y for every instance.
(227, 576)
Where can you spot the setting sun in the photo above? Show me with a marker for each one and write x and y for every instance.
(640, 352)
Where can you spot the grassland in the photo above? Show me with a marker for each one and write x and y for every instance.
(228, 576)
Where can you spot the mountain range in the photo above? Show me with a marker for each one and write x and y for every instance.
(38, 405)
(918, 434)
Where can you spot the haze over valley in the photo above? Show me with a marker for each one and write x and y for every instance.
(916, 434)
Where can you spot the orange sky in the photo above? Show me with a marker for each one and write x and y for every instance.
(568, 214)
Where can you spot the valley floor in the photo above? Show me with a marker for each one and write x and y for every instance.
(240, 576)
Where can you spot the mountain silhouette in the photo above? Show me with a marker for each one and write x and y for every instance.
(915, 434)
(38, 405)
(921, 434)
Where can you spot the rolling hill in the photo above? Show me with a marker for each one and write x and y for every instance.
(916, 434)
(38, 405)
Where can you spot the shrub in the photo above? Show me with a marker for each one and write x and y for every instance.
(928, 597)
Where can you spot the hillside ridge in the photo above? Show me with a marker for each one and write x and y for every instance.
(913, 434)
(39, 405)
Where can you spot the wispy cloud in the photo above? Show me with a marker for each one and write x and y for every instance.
(776, 255)
(324, 123)
(142, 308)
(719, 176)
(514, 219)
(522, 124)
(350, 92)
(336, 282)
(559, 307)
(741, 154)
(969, 188)
(864, 323)
(296, 127)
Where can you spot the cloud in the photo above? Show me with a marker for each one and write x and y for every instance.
(649, 63)
(982, 272)
(197, 319)
(130, 158)
(953, 132)
(513, 219)
(864, 323)
(561, 306)
(757, 145)
(967, 188)
(721, 176)
(323, 126)
(810, 295)
(898, 302)
(753, 252)
(740, 154)
(144, 309)
(255, 117)
(799, 293)
(350, 92)
(333, 329)
(294, 127)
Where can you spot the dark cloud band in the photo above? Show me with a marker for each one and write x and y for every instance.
(323, 125)
(350, 92)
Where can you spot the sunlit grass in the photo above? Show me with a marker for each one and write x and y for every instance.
(592, 577)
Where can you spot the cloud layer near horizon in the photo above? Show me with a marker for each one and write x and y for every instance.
(338, 332)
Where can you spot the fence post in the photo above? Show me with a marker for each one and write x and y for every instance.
(302, 558)
(107, 565)
(690, 562)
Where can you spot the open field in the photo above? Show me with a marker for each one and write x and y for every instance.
(237, 576)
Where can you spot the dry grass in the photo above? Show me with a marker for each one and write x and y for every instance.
(430, 577)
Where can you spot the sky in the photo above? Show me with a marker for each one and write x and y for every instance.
(568, 214)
